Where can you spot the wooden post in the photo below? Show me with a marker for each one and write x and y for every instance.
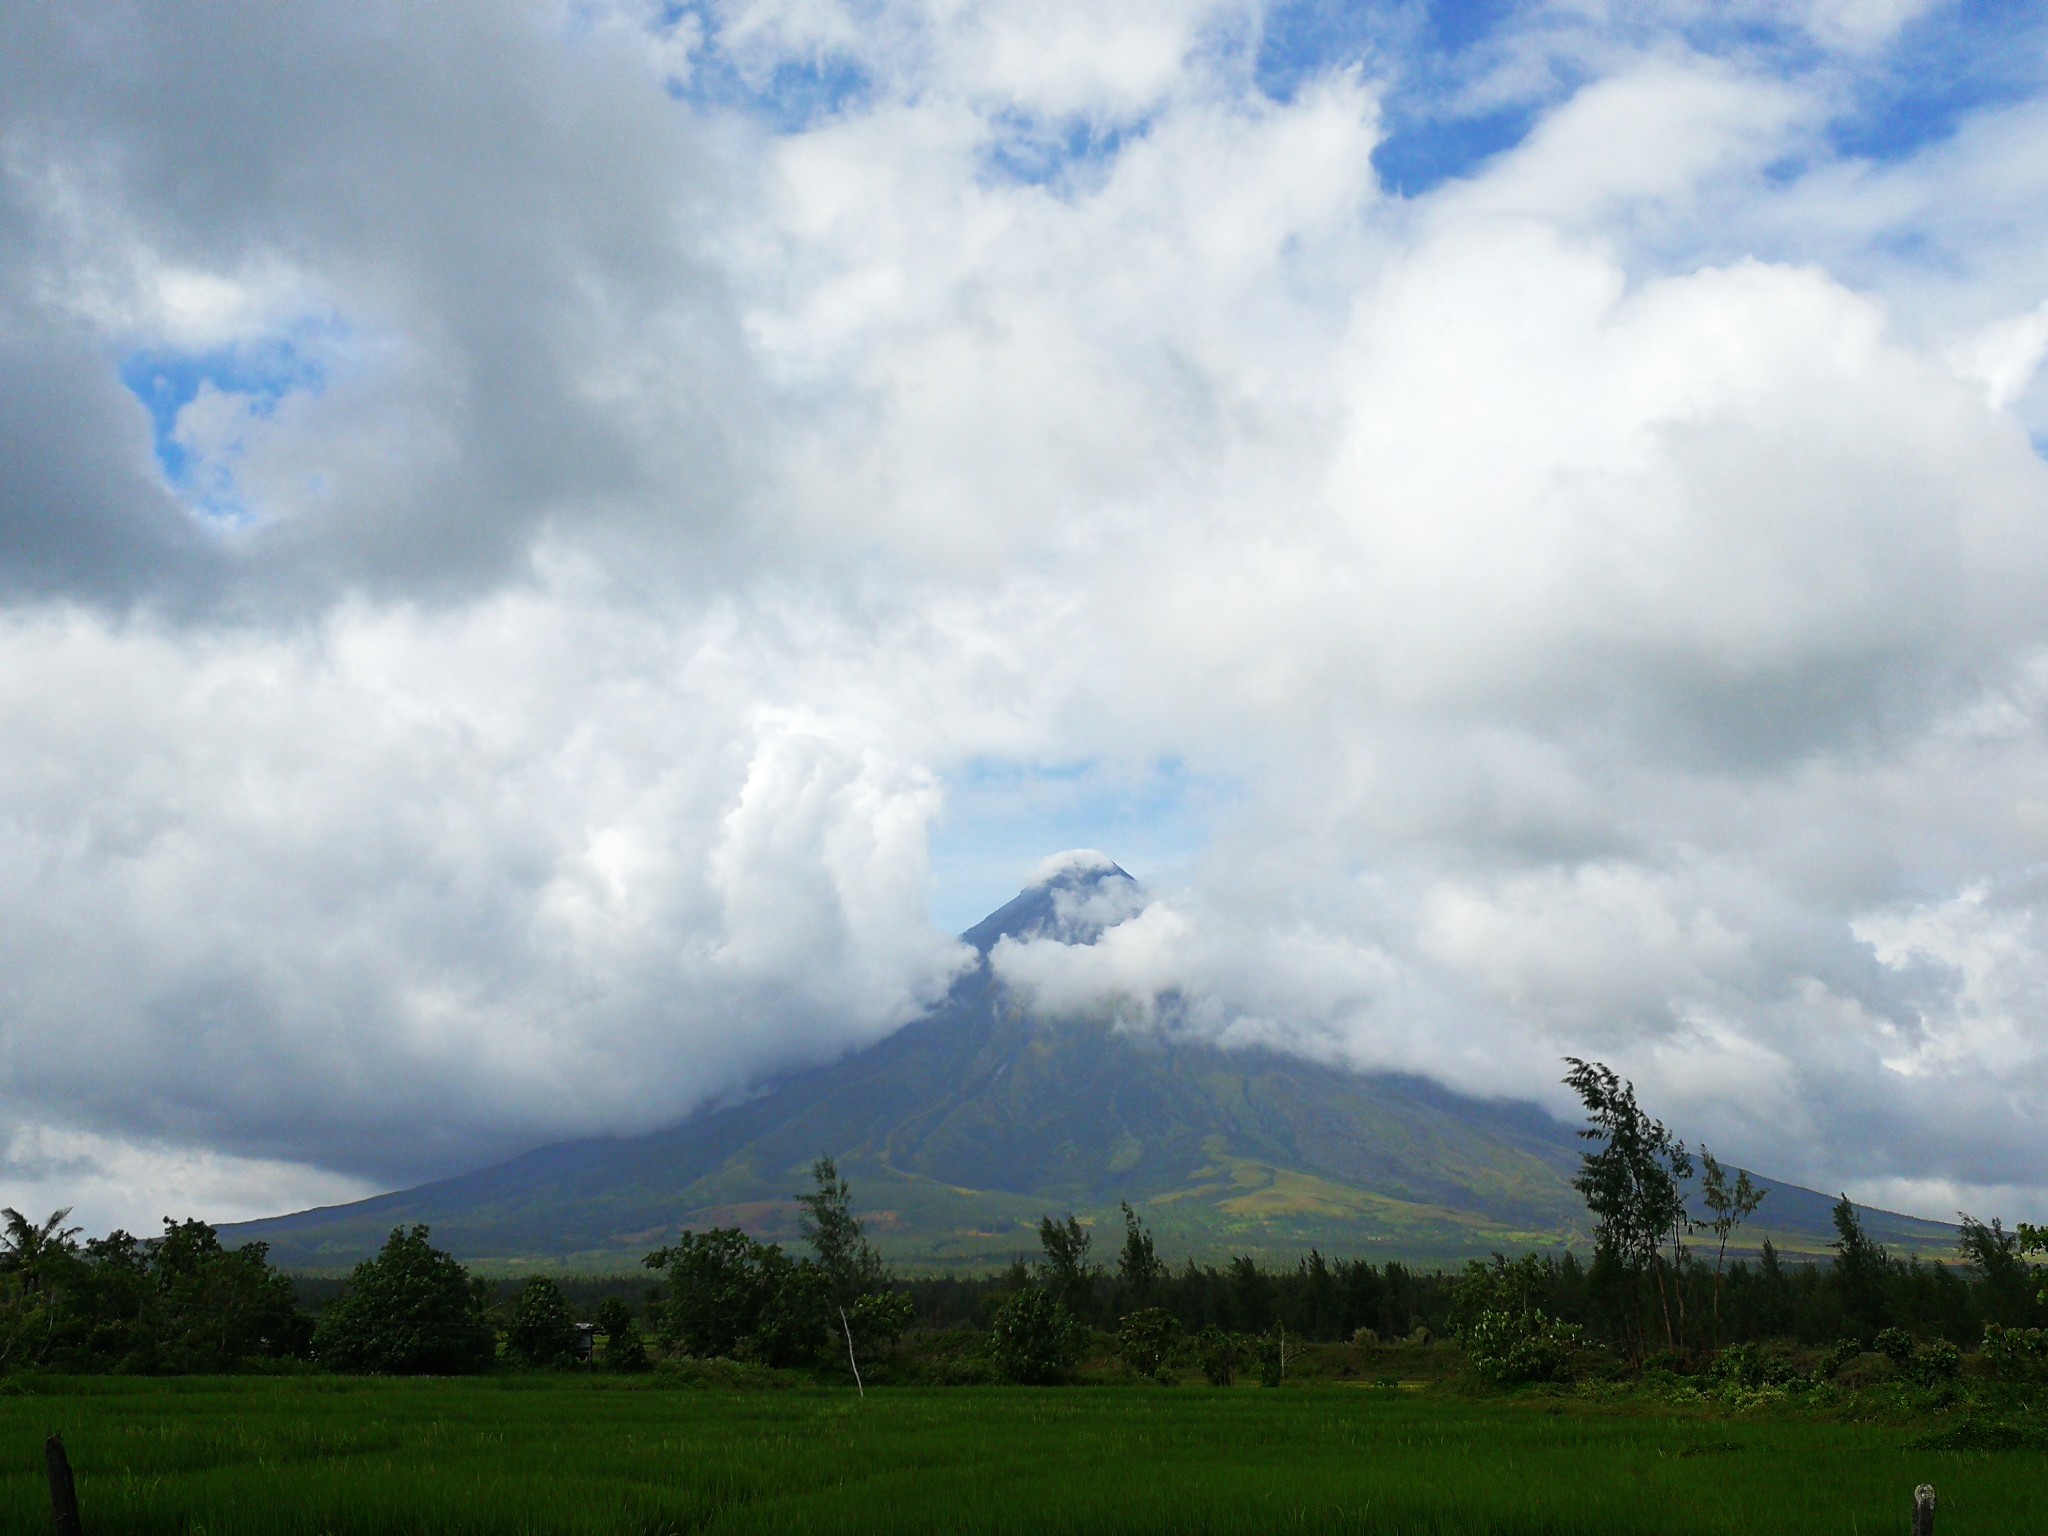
(63, 1492)
(1923, 1510)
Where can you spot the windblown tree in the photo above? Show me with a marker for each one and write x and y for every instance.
(1633, 1181)
(849, 1264)
(1138, 1267)
(1859, 1272)
(1068, 1274)
(1731, 1205)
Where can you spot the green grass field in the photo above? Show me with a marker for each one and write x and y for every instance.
(609, 1455)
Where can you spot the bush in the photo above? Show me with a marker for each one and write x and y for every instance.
(542, 1332)
(1939, 1362)
(2016, 1354)
(1895, 1344)
(410, 1311)
(1507, 1338)
(1752, 1366)
(1217, 1352)
(1144, 1340)
(1035, 1339)
(624, 1348)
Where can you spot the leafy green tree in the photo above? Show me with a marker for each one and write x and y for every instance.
(1068, 1273)
(1138, 1267)
(410, 1311)
(214, 1307)
(878, 1319)
(37, 1258)
(850, 1266)
(542, 1333)
(730, 1295)
(1995, 1255)
(2034, 1240)
(1145, 1340)
(1035, 1339)
(1633, 1183)
(1506, 1336)
(624, 1348)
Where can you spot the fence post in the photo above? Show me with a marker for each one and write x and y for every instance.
(63, 1492)
(1923, 1510)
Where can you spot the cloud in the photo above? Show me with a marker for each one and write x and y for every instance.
(515, 519)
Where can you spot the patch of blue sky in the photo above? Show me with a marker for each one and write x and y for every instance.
(1421, 56)
(259, 374)
(1058, 152)
(1003, 817)
(1955, 60)
(792, 97)
(787, 95)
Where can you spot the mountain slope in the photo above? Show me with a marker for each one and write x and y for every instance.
(960, 1129)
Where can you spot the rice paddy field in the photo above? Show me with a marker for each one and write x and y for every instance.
(336, 1455)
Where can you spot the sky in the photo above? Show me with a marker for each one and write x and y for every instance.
(554, 552)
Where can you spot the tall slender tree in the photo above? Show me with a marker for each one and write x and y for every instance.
(1633, 1182)
(1731, 1204)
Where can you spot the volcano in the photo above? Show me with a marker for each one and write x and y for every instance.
(966, 1125)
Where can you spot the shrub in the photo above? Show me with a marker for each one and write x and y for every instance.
(1939, 1362)
(1144, 1340)
(1035, 1339)
(1895, 1344)
(2016, 1354)
(1752, 1366)
(624, 1348)
(1507, 1338)
(1217, 1352)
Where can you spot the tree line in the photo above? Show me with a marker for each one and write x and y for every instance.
(1659, 1287)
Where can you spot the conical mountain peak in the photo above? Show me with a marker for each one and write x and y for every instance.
(1072, 898)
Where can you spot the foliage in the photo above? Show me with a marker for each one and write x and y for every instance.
(410, 1311)
(1730, 1205)
(1035, 1340)
(1217, 1352)
(732, 1296)
(2016, 1354)
(1138, 1268)
(848, 1265)
(879, 1318)
(1998, 1257)
(180, 1302)
(1506, 1336)
(624, 1348)
(1753, 1366)
(1067, 1272)
(1633, 1183)
(542, 1333)
(1859, 1269)
(1144, 1341)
